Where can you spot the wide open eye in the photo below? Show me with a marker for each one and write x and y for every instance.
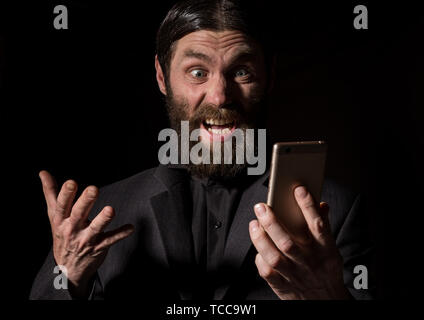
(243, 72)
(198, 73)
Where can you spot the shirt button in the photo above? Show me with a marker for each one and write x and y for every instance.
(217, 225)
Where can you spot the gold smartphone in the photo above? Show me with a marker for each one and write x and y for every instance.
(294, 164)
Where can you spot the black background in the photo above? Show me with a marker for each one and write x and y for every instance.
(83, 103)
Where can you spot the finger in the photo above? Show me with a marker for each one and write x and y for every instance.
(101, 221)
(268, 250)
(83, 205)
(309, 209)
(111, 237)
(65, 199)
(324, 210)
(278, 283)
(49, 189)
(277, 233)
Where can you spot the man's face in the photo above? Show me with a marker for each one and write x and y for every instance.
(216, 81)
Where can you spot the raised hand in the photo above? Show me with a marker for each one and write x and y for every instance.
(78, 244)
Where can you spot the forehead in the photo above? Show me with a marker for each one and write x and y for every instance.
(223, 43)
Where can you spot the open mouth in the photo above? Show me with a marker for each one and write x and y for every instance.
(218, 129)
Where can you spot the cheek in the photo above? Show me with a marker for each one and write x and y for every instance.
(250, 92)
(189, 93)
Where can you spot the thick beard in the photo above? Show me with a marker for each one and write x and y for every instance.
(178, 111)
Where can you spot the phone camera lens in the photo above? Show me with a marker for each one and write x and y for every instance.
(288, 149)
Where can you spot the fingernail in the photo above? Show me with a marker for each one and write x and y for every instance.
(300, 192)
(254, 225)
(324, 205)
(108, 210)
(92, 192)
(260, 209)
(70, 186)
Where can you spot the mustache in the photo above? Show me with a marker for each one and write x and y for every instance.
(228, 113)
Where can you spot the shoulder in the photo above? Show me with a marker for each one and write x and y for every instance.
(128, 196)
(140, 186)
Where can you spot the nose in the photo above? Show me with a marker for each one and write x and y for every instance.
(218, 94)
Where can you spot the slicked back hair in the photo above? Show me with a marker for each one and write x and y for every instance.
(188, 16)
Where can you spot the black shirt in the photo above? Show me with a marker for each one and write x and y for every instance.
(214, 207)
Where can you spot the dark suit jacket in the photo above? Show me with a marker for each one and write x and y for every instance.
(157, 260)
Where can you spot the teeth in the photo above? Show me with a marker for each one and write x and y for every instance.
(217, 122)
(219, 131)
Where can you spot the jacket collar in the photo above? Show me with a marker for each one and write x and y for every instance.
(238, 242)
(172, 210)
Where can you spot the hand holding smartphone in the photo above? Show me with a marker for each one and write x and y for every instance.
(294, 164)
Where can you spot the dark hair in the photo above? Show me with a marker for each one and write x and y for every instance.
(216, 15)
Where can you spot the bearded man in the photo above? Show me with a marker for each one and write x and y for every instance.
(202, 230)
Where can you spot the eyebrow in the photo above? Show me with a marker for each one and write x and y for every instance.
(244, 54)
(189, 53)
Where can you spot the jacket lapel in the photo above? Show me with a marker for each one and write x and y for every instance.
(172, 208)
(172, 211)
(238, 241)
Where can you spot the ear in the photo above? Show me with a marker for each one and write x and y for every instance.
(272, 69)
(160, 78)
